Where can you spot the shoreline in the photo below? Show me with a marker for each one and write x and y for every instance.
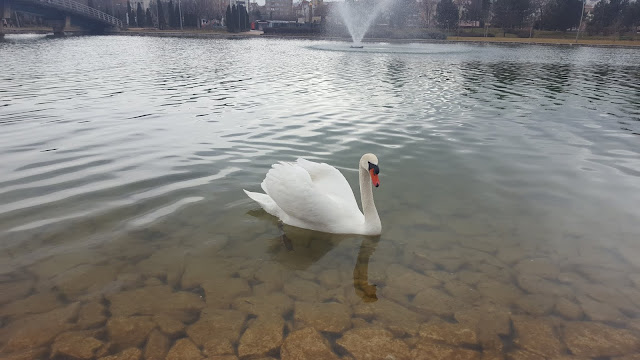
(208, 34)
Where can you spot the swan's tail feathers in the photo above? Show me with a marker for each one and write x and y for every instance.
(265, 201)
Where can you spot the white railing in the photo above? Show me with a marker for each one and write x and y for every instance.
(82, 9)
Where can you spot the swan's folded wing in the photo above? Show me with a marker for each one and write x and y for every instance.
(330, 181)
(291, 187)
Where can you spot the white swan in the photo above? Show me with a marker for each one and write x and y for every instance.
(316, 196)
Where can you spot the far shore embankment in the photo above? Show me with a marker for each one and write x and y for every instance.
(450, 39)
(221, 34)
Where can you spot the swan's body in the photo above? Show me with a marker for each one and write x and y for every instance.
(316, 196)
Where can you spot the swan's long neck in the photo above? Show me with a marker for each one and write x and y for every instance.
(371, 218)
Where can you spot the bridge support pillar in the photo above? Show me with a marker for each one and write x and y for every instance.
(5, 15)
(59, 26)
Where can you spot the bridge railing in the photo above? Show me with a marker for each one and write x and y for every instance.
(82, 9)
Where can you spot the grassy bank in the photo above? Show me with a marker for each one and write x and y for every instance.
(549, 41)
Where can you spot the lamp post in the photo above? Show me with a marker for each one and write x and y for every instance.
(580, 25)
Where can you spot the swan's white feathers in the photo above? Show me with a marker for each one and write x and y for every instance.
(293, 190)
(314, 196)
(330, 181)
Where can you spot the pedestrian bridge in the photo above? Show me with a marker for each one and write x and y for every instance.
(61, 14)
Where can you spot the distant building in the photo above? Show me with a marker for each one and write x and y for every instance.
(279, 10)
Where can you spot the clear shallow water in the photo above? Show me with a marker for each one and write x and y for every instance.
(510, 184)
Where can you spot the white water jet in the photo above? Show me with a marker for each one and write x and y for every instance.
(358, 16)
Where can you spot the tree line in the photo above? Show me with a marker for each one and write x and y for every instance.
(161, 14)
(607, 17)
(237, 18)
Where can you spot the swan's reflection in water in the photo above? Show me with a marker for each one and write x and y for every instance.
(361, 271)
(300, 248)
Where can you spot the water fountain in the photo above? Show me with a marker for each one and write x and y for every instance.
(358, 16)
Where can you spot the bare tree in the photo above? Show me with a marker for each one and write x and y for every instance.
(428, 11)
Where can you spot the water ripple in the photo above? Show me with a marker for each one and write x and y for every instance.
(182, 122)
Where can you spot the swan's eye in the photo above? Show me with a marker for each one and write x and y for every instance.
(375, 168)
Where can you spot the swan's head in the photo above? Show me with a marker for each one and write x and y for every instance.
(369, 162)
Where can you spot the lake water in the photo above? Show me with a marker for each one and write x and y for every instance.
(510, 184)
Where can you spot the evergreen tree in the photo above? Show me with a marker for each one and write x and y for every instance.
(234, 19)
(476, 10)
(510, 14)
(561, 14)
(242, 19)
(227, 19)
(162, 21)
(447, 14)
(149, 18)
(129, 13)
(171, 14)
(140, 15)
(400, 13)
(177, 16)
(246, 20)
(632, 15)
(614, 16)
(602, 17)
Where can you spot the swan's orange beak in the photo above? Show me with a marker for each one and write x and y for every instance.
(374, 178)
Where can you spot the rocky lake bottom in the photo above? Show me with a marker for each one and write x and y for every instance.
(151, 295)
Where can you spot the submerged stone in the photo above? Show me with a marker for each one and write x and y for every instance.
(487, 320)
(268, 305)
(536, 304)
(168, 325)
(306, 344)
(303, 290)
(262, 337)
(34, 304)
(592, 339)
(501, 293)
(407, 280)
(166, 264)
(436, 302)
(461, 291)
(539, 267)
(453, 334)
(218, 347)
(221, 291)
(129, 354)
(537, 335)
(87, 279)
(38, 330)
(14, 290)
(538, 286)
(157, 346)
(221, 324)
(511, 255)
(126, 332)
(431, 351)
(371, 343)
(326, 317)
(184, 349)
(156, 300)
(568, 309)
(27, 354)
(75, 345)
(91, 315)
(599, 311)
(199, 269)
(521, 354)
(398, 319)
